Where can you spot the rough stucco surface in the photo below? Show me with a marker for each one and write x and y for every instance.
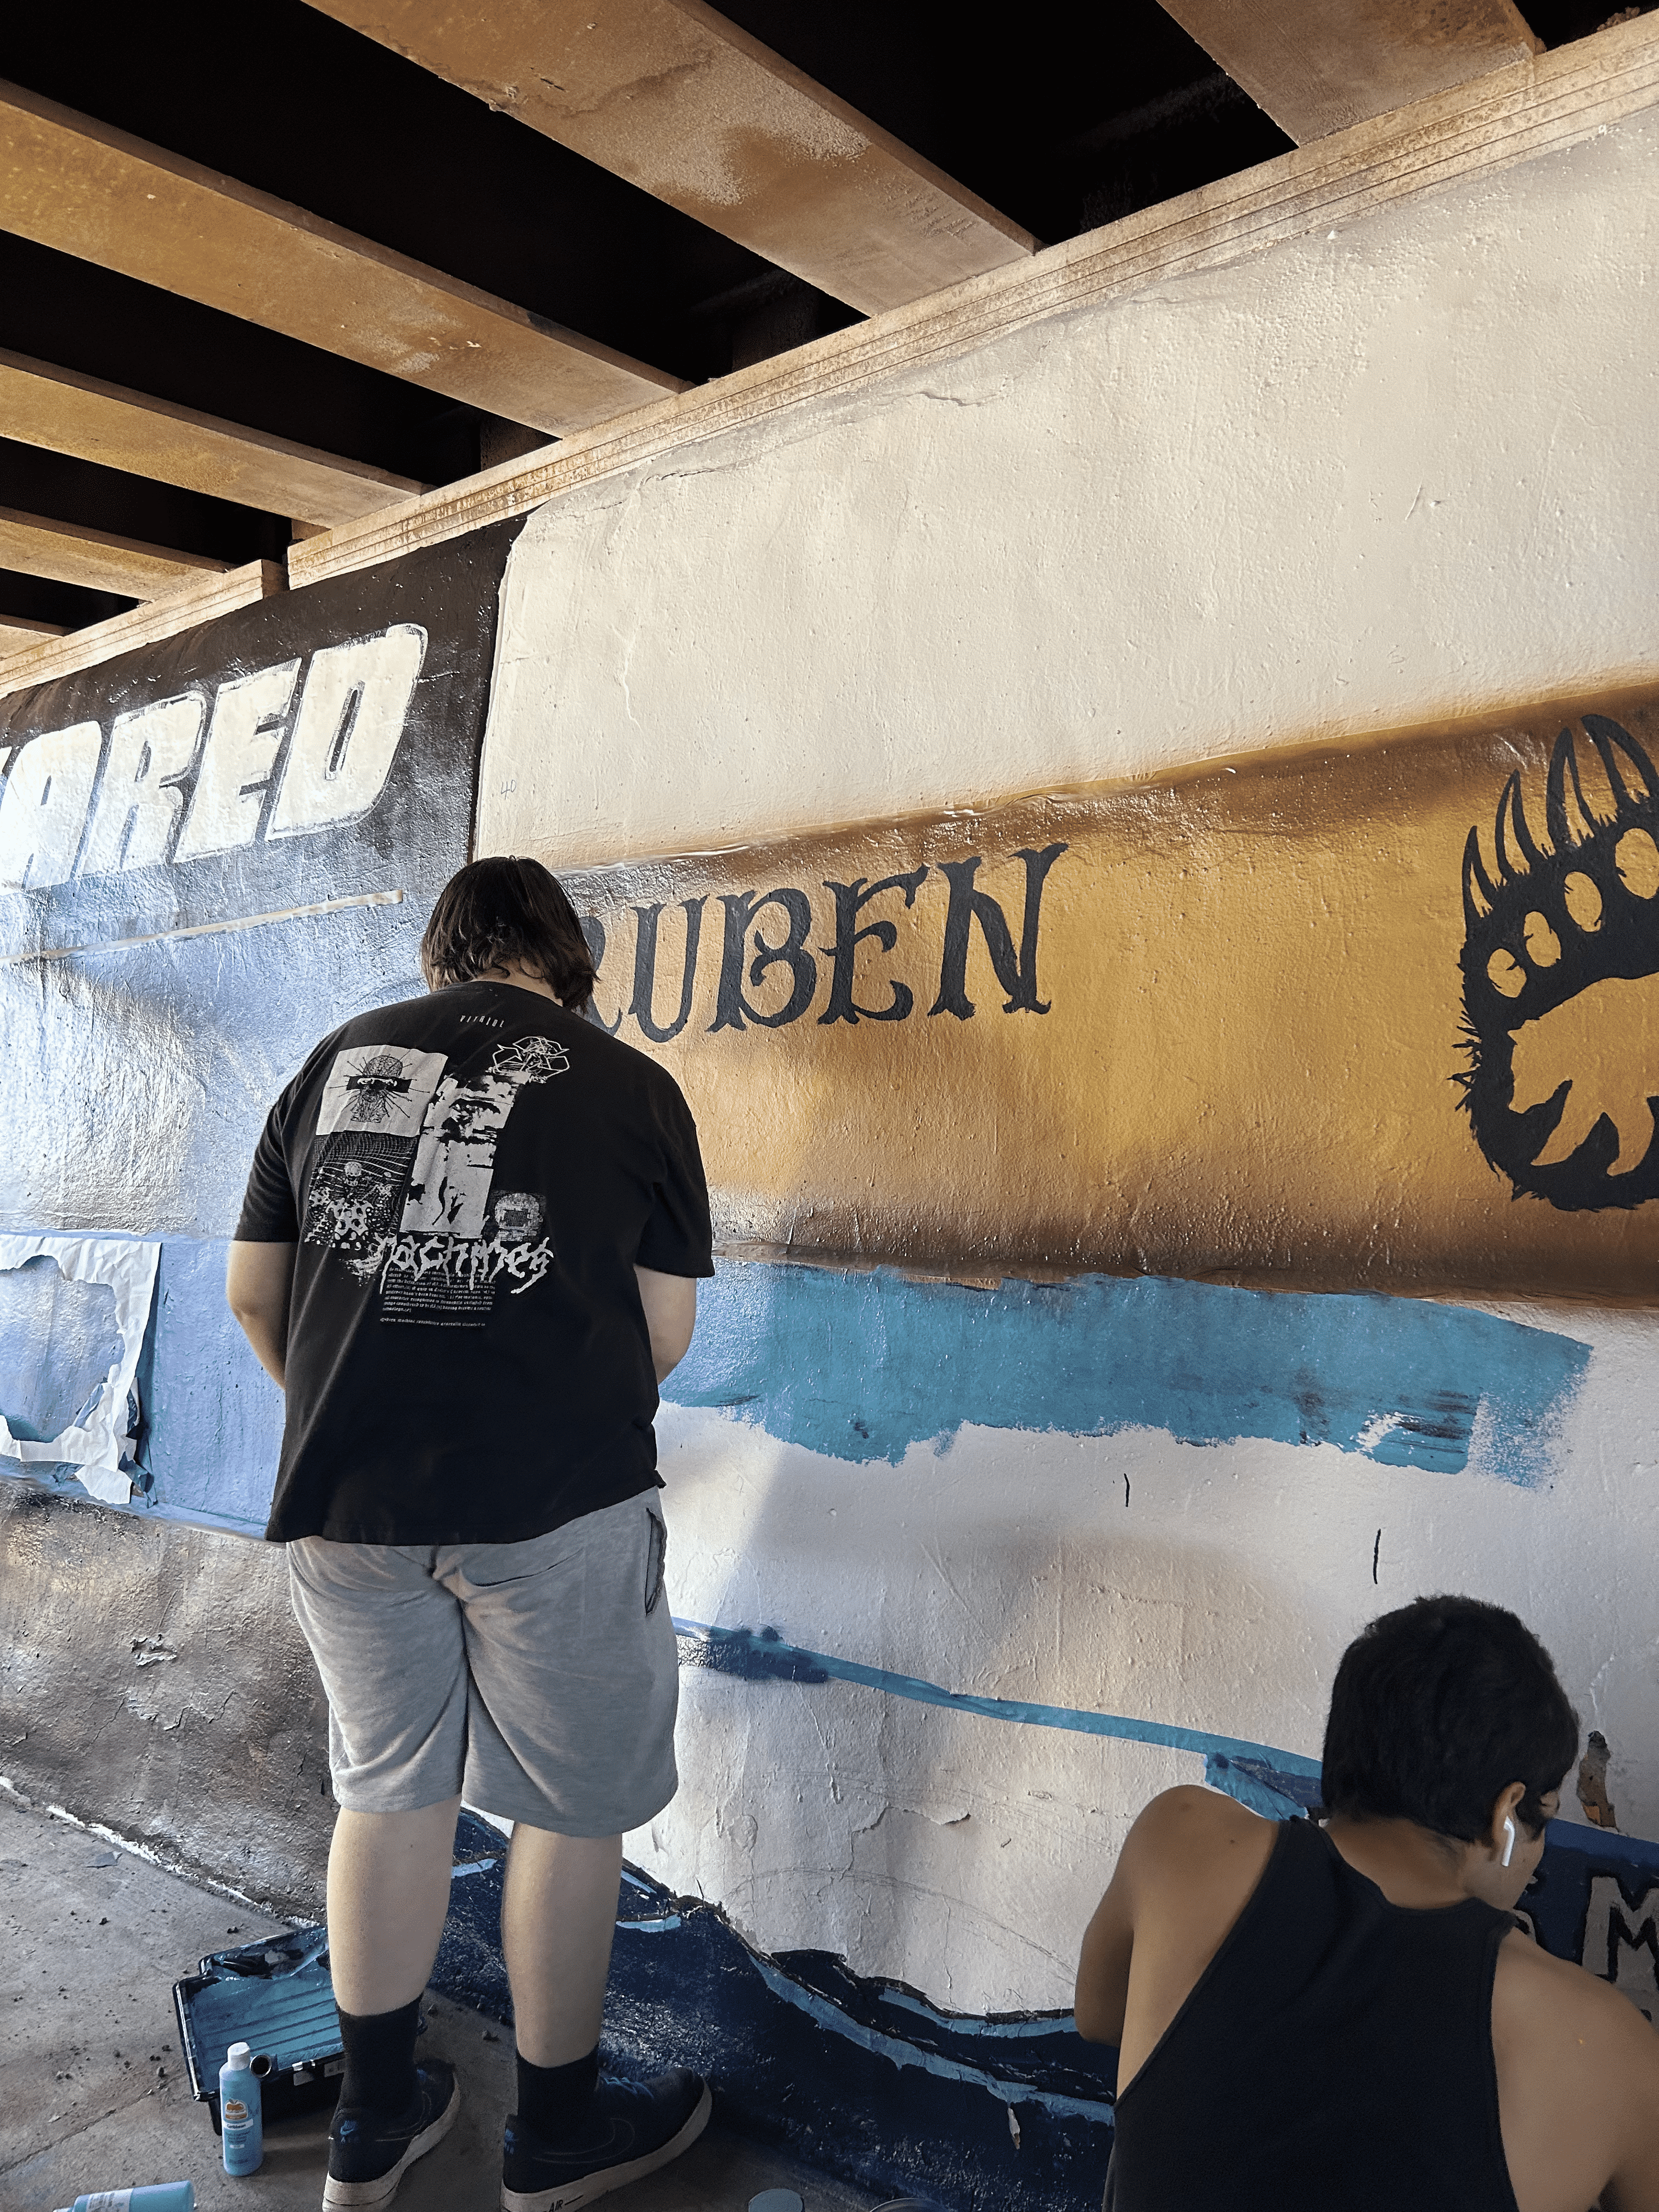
(152, 1678)
(1382, 479)
(1357, 482)
(1375, 481)
(1214, 1585)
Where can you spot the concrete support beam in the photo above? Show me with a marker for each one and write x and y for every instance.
(681, 102)
(191, 605)
(1515, 115)
(68, 413)
(1320, 65)
(18, 633)
(82, 188)
(36, 545)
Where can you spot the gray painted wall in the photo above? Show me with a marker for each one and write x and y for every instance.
(152, 1679)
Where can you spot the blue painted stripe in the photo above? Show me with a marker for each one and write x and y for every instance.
(864, 1365)
(1635, 1853)
(764, 1656)
(956, 2023)
(909, 2054)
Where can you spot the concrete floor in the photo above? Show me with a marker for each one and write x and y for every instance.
(97, 2097)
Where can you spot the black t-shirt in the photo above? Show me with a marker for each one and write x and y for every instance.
(470, 1179)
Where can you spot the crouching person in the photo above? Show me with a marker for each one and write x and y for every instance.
(1346, 2017)
(468, 1254)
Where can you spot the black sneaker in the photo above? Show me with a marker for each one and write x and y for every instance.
(634, 2129)
(369, 2154)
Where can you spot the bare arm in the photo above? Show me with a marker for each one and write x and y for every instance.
(259, 1278)
(1103, 1972)
(670, 1315)
(1187, 1868)
(1635, 2184)
(1578, 2084)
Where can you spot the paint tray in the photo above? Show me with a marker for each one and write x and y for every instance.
(277, 1998)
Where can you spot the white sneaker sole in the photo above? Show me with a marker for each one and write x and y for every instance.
(359, 2196)
(570, 2196)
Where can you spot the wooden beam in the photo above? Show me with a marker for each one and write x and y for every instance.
(1515, 115)
(186, 609)
(1322, 65)
(85, 189)
(68, 413)
(36, 545)
(683, 104)
(18, 633)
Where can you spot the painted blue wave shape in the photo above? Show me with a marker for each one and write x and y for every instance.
(1278, 1783)
(903, 2052)
(862, 1365)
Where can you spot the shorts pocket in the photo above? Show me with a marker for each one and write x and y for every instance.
(656, 1556)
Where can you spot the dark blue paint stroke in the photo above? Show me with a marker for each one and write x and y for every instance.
(863, 1366)
(766, 1658)
(863, 2078)
(1558, 1897)
(867, 2079)
(1278, 1784)
(1279, 1789)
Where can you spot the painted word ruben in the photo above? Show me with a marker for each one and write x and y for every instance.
(748, 957)
(264, 756)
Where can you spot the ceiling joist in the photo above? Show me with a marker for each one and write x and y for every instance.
(37, 545)
(1318, 66)
(84, 189)
(191, 605)
(681, 102)
(1519, 115)
(17, 633)
(44, 405)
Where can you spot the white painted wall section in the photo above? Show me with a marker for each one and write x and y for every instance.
(1395, 474)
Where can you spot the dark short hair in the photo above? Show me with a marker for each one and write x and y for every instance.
(503, 910)
(1436, 1709)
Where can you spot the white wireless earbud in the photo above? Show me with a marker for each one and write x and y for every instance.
(1509, 1840)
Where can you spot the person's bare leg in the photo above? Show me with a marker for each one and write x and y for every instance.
(388, 1892)
(558, 1915)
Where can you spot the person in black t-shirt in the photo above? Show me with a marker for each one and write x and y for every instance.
(1348, 2015)
(468, 1254)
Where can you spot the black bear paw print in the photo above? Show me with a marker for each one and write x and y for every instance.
(1560, 1004)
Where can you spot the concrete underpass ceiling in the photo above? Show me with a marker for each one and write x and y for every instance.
(179, 380)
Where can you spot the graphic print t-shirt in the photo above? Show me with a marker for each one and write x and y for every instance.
(470, 1179)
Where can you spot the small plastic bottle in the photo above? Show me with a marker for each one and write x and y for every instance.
(241, 2121)
(161, 2196)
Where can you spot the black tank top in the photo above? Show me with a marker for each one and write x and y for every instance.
(1334, 2055)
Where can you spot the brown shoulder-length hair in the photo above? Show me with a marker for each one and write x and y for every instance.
(502, 909)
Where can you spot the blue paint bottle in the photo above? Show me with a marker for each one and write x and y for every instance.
(163, 2197)
(240, 2120)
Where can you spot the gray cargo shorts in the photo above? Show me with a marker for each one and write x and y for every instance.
(539, 1680)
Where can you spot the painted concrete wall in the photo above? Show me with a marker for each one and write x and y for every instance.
(1312, 1021)
(967, 1561)
(1367, 481)
(1394, 479)
(211, 852)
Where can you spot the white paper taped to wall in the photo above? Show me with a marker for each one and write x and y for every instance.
(94, 1438)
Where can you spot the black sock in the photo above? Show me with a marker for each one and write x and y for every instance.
(379, 2058)
(554, 2101)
